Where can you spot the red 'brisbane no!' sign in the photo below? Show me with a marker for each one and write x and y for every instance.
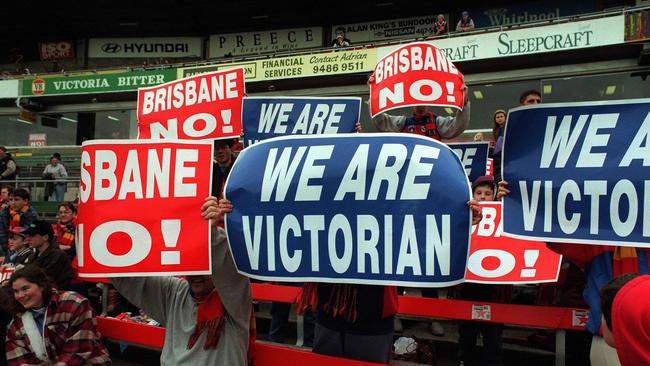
(204, 106)
(415, 74)
(140, 208)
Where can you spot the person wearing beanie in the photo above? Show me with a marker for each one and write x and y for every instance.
(626, 318)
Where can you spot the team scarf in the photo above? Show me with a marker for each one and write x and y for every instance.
(342, 301)
(209, 317)
(64, 233)
(16, 215)
(625, 261)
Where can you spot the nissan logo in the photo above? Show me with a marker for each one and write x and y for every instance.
(111, 47)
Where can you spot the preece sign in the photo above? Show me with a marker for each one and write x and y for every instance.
(267, 117)
(235, 44)
(415, 74)
(139, 211)
(579, 173)
(497, 258)
(388, 29)
(205, 106)
(473, 156)
(356, 208)
(145, 47)
(56, 50)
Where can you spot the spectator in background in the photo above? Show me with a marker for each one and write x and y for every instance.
(530, 97)
(19, 213)
(5, 191)
(478, 137)
(47, 255)
(8, 167)
(340, 40)
(626, 318)
(440, 26)
(19, 251)
(498, 127)
(64, 229)
(56, 171)
(221, 165)
(465, 23)
(51, 327)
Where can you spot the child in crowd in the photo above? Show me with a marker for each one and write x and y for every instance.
(483, 190)
(17, 247)
(64, 229)
(19, 213)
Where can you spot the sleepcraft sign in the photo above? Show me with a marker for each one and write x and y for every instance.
(99, 83)
(145, 47)
(551, 38)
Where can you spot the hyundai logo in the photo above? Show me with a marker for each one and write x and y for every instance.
(111, 47)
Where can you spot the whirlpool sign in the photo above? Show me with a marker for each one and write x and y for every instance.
(169, 47)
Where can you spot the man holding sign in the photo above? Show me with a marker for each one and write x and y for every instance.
(418, 75)
(207, 317)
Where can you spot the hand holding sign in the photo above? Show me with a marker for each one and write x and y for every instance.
(374, 209)
(122, 229)
(415, 74)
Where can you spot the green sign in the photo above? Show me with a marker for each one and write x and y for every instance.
(99, 83)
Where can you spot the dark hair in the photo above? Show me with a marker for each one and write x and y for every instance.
(68, 205)
(482, 184)
(495, 127)
(22, 193)
(8, 188)
(608, 293)
(4, 149)
(37, 276)
(527, 93)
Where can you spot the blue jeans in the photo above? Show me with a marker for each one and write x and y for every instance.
(58, 193)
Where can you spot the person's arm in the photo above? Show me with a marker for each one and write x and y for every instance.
(470, 26)
(459, 26)
(152, 294)
(233, 288)
(62, 172)
(450, 127)
(384, 122)
(81, 337)
(11, 169)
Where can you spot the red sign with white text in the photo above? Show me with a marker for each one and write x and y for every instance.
(56, 50)
(495, 258)
(139, 211)
(6, 273)
(415, 74)
(204, 106)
